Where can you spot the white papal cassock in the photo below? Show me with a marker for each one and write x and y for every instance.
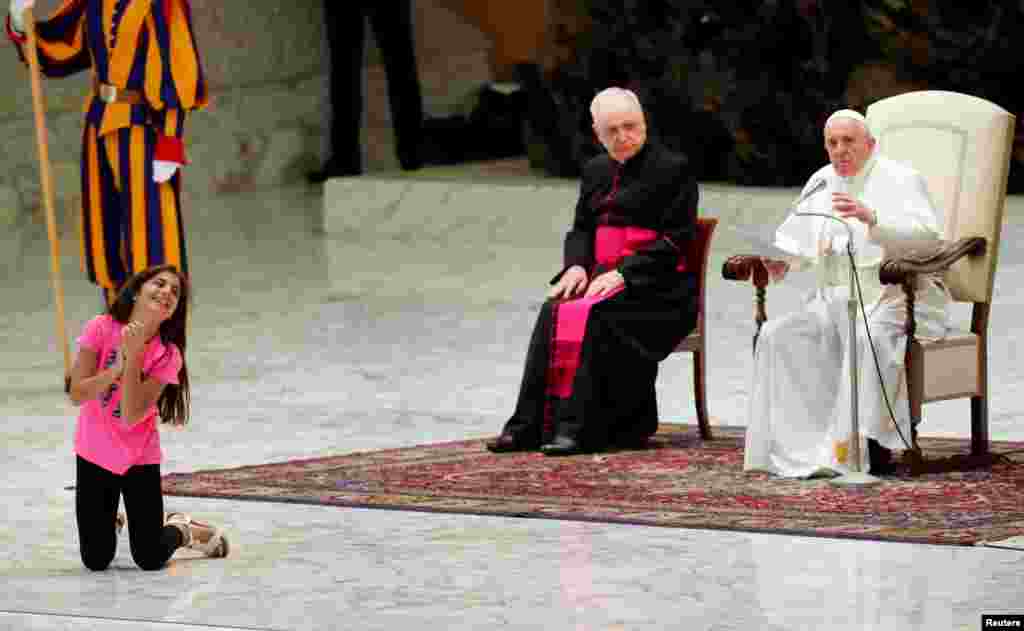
(798, 414)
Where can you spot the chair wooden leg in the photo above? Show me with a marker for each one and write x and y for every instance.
(915, 388)
(979, 426)
(915, 419)
(700, 396)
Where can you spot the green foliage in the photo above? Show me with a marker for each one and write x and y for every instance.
(744, 86)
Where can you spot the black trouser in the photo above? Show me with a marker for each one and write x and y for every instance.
(613, 399)
(346, 34)
(96, 497)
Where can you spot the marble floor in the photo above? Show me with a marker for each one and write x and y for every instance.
(309, 344)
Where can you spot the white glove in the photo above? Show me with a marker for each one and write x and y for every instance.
(163, 170)
(18, 11)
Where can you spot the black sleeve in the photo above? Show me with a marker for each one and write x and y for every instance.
(578, 248)
(655, 265)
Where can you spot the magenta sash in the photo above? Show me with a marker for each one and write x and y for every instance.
(569, 317)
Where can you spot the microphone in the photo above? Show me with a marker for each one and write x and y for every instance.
(814, 189)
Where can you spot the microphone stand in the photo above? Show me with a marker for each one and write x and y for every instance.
(855, 477)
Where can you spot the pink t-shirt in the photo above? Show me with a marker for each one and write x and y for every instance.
(102, 437)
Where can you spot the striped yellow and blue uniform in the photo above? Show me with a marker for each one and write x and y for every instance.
(128, 221)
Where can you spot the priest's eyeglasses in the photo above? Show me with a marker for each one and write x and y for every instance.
(629, 128)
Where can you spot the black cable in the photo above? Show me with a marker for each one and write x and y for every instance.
(863, 310)
(871, 344)
(920, 464)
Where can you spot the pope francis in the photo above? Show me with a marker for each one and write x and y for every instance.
(798, 414)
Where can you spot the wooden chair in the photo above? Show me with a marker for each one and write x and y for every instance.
(694, 343)
(961, 146)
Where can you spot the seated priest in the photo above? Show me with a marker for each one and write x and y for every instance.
(798, 412)
(622, 302)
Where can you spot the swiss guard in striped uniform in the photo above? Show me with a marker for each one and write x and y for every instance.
(626, 296)
(146, 76)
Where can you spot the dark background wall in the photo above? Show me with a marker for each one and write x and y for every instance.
(266, 63)
(744, 86)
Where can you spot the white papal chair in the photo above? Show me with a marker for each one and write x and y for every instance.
(961, 144)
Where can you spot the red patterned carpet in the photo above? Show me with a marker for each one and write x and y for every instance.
(680, 482)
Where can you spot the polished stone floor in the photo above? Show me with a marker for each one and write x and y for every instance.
(308, 344)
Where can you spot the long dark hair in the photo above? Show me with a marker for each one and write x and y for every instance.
(173, 404)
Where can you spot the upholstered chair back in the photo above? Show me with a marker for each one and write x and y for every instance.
(961, 144)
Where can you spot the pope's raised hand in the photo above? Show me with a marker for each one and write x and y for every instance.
(847, 206)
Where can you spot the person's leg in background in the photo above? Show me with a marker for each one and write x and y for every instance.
(102, 229)
(393, 31)
(150, 214)
(131, 222)
(346, 34)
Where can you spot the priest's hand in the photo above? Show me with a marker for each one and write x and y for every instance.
(605, 283)
(572, 282)
(849, 207)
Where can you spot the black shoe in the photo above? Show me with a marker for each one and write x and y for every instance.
(879, 458)
(627, 441)
(410, 162)
(561, 446)
(332, 169)
(505, 443)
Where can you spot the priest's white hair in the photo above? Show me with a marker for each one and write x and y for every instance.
(851, 115)
(614, 100)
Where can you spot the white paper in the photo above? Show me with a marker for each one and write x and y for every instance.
(764, 241)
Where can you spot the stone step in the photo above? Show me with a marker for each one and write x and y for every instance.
(498, 237)
(514, 209)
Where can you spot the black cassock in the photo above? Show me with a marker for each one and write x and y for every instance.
(612, 398)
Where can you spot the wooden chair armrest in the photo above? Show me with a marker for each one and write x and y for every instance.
(903, 270)
(929, 259)
(744, 267)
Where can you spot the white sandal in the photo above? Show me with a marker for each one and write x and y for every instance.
(216, 547)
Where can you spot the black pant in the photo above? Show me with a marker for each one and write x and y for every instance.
(346, 34)
(613, 399)
(97, 492)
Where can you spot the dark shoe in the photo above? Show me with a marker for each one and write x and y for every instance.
(410, 162)
(561, 446)
(505, 443)
(879, 458)
(332, 169)
(632, 442)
